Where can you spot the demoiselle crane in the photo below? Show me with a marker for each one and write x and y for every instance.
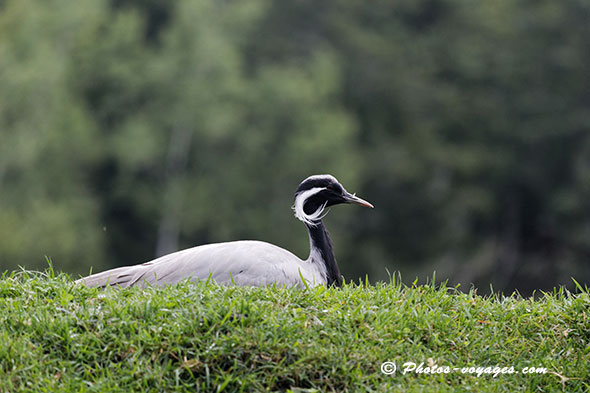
(249, 262)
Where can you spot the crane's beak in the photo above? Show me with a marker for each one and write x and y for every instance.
(351, 198)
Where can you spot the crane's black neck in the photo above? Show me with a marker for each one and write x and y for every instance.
(321, 246)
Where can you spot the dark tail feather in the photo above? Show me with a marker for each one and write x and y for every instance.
(121, 276)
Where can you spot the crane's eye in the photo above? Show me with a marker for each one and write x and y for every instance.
(335, 188)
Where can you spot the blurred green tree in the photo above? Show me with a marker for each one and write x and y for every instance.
(48, 139)
(472, 121)
(133, 128)
(215, 152)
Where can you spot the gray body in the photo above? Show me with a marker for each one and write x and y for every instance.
(250, 262)
(246, 262)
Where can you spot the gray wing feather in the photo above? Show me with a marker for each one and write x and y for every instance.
(241, 263)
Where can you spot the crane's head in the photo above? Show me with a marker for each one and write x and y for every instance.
(318, 192)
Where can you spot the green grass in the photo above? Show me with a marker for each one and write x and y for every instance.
(57, 336)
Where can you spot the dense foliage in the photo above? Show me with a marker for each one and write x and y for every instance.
(134, 128)
(61, 337)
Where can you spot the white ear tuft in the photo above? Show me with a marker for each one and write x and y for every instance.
(313, 218)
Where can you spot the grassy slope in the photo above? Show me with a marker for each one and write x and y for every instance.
(56, 336)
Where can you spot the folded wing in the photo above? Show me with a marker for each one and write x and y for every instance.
(244, 263)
